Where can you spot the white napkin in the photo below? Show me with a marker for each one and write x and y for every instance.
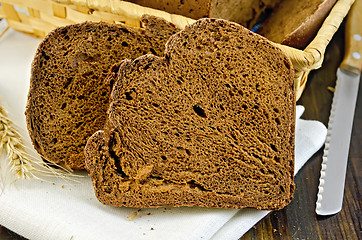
(59, 209)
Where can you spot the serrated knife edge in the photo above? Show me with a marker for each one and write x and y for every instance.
(335, 155)
(326, 150)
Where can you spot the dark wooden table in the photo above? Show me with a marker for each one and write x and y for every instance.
(299, 220)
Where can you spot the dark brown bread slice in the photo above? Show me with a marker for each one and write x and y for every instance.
(295, 23)
(210, 124)
(244, 12)
(68, 97)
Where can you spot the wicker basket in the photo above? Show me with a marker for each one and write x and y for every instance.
(38, 17)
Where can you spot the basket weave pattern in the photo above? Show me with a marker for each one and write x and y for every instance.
(38, 17)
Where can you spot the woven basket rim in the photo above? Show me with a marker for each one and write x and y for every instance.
(73, 11)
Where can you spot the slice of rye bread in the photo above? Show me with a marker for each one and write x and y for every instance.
(295, 23)
(211, 124)
(68, 97)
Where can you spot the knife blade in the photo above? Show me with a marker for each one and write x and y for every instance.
(335, 156)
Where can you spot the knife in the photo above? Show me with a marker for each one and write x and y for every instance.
(335, 156)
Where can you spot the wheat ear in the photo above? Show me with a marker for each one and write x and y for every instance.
(10, 141)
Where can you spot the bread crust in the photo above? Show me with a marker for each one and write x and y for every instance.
(289, 27)
(305, 33)
(245, 12)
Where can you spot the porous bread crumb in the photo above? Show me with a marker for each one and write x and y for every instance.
(68, 97)
(212, 122)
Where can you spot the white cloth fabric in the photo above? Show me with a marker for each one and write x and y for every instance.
(57, 209)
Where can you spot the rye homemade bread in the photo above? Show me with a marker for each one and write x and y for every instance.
(210, 124)
(296, 23)
(68, 97)
(244, 12)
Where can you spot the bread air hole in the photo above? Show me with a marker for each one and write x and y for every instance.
(273, 147)
(198, 108)
(286, 63)
(54, 141)
(153, 51)
(67, 82)
(45, 56)
(187, 151)
(193, 185)
(277, 121)
(128, 96)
